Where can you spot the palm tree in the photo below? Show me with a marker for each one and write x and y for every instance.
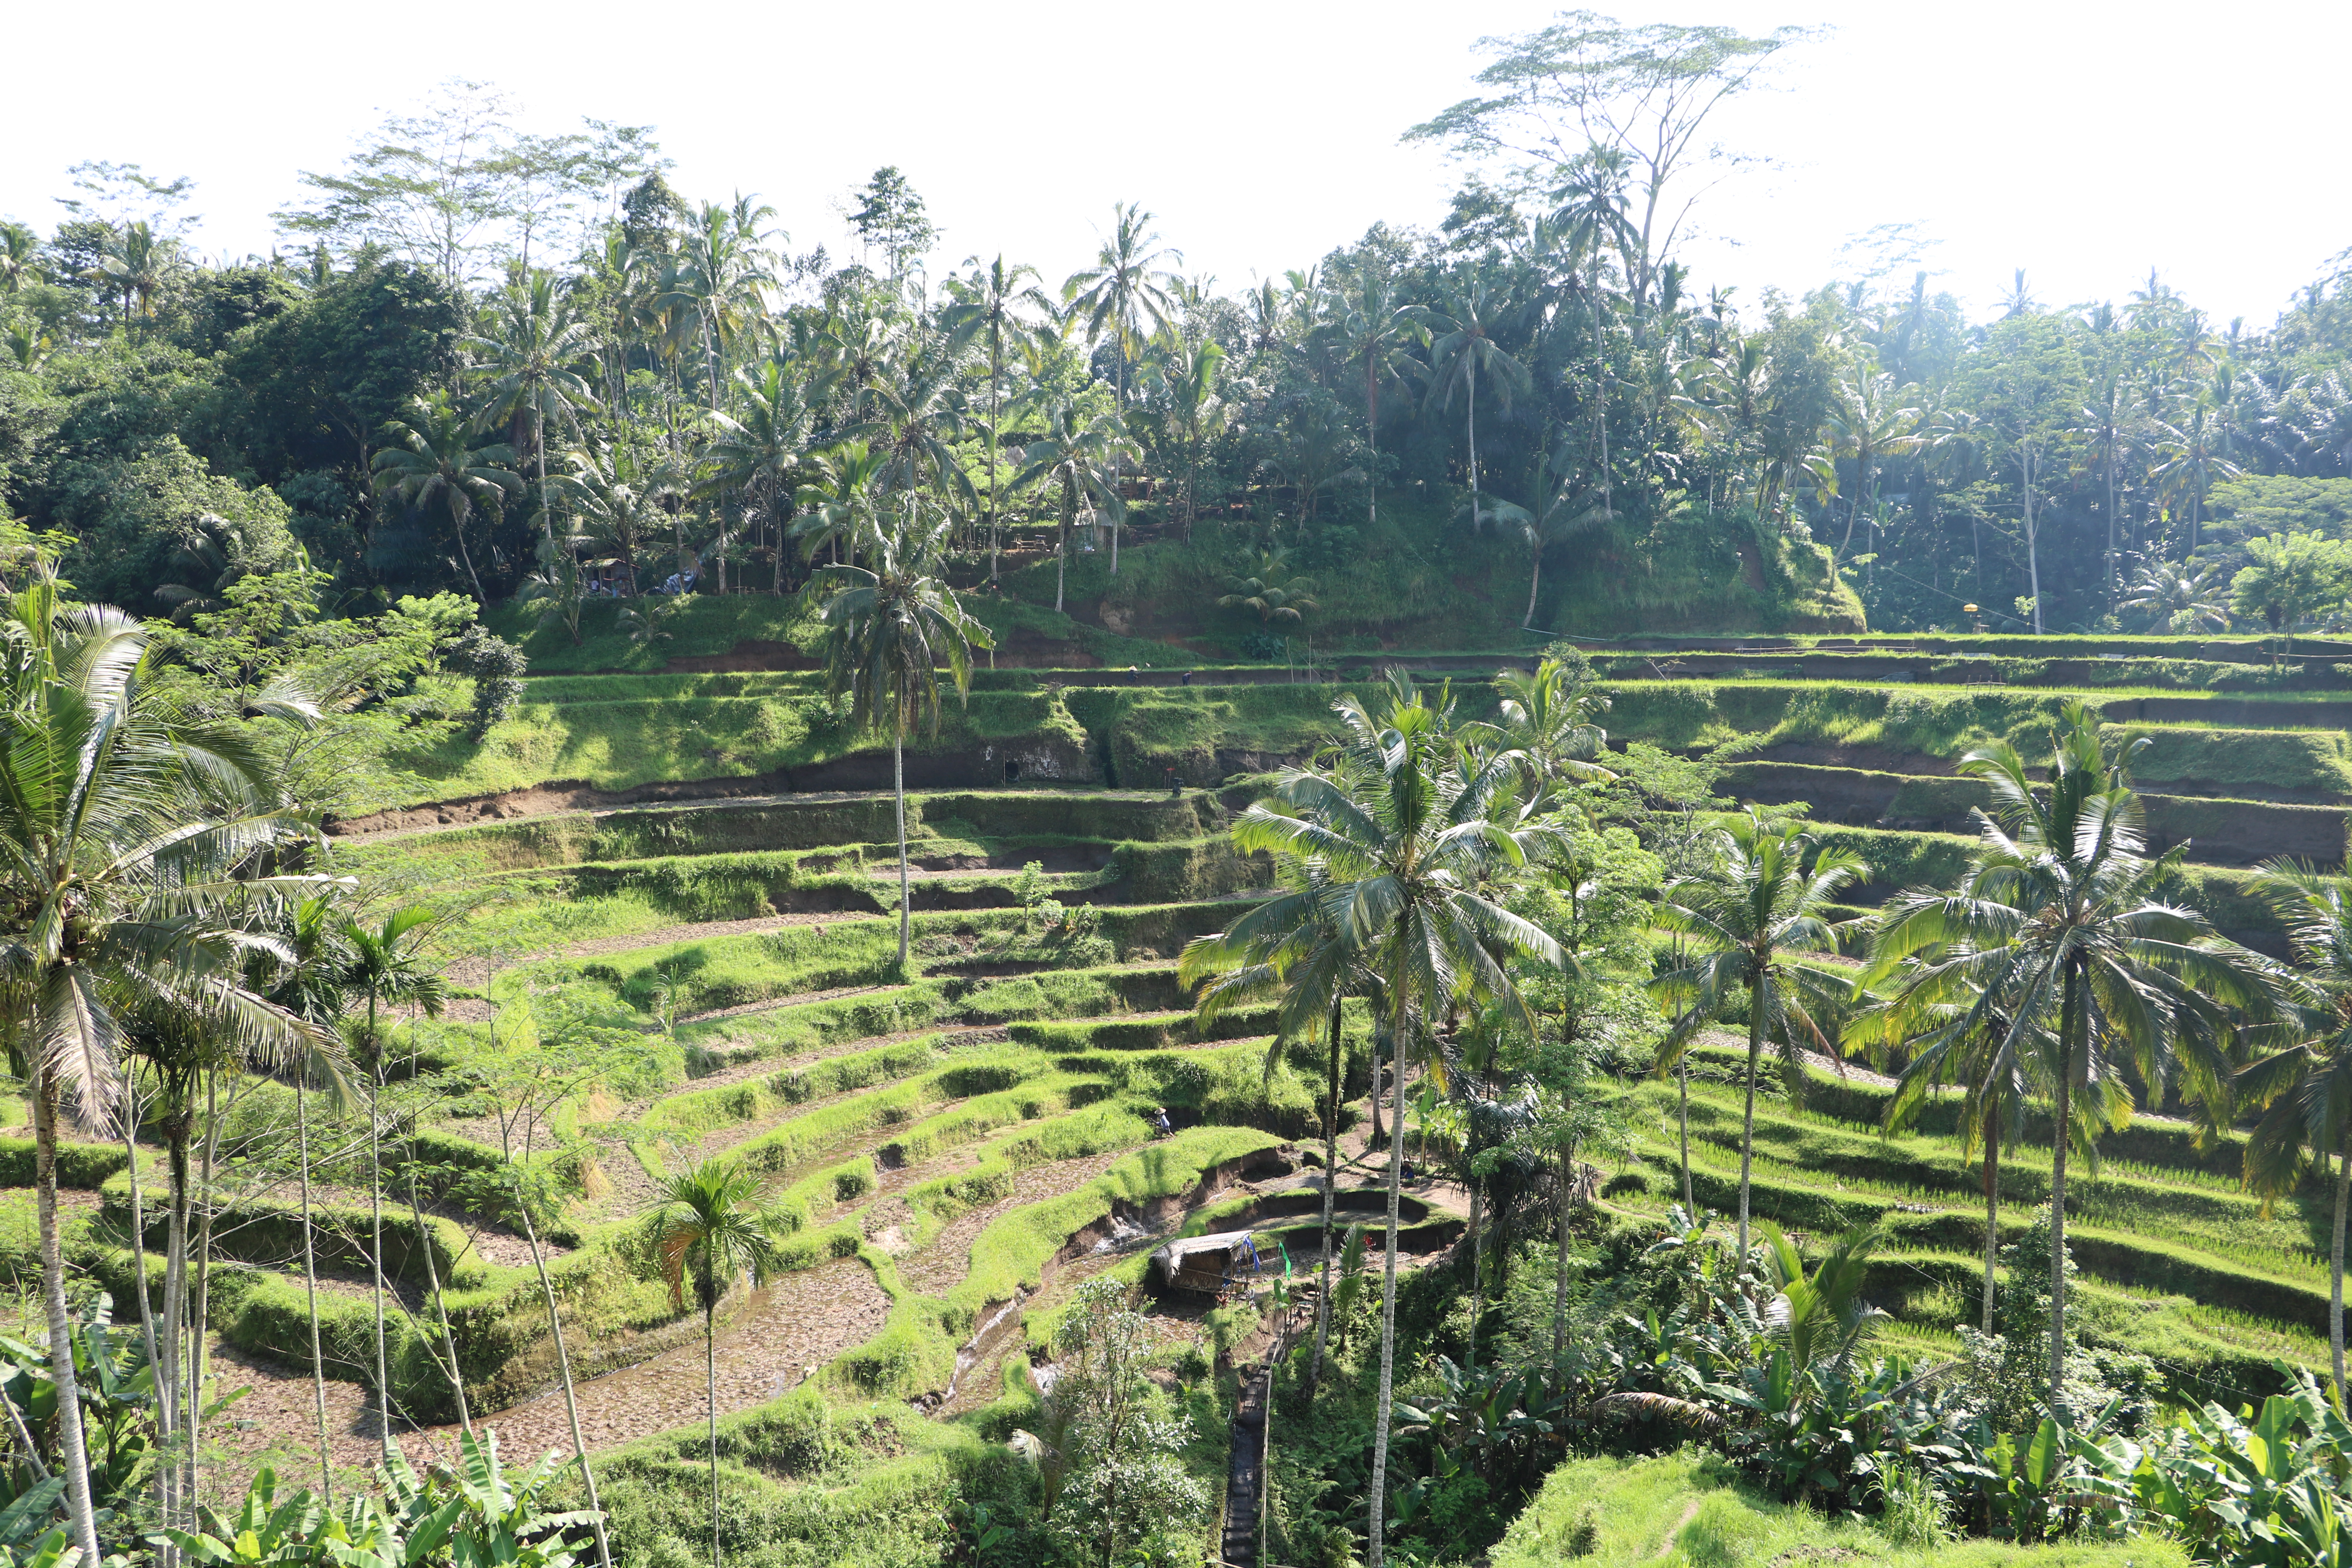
(715, 279)
(617, 497)
(1548, 722)
(1287, 948)
(1129, 281)
(1377, 333)
(1398, 829)
(1085, 459)
(125, 838)
(534, 365)
(712, 1226)
(2185, 601)
(141, 263)
(435, 464)
(2305, 1089)
(1870, 422)
(1266, 586)
(841, 506)
(990, 302)
(887, 630)
(1464, 353)
(2064, 903)
(1953, 1027)
(1760, 901)
(759, 451)
(385, 966)
(1187, 376)
(912, 418)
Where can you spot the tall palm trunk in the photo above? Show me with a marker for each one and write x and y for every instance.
(2032, 544)
(1560, 1268)
(168, 1381)
(564, 1370)
(710, 1390)
(899, 788)
(375, 1239)
(1473, 462)
(1372, 443)
(311, 1282)
(1535, 580)
(1477, 1269)
(1388, 1309)
(995, 452)
(164, 1475)
(2335, 1266)
(200, 1300)
(1748, 1118)
(73, 1454)
(2068, 1027)
(440, 1303)
(1681, 1091)
(1992, 1208)
(1331, 1182)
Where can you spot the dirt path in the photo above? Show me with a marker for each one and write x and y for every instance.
(787, 1331)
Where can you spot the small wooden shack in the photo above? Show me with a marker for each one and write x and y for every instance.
(1206, 1264)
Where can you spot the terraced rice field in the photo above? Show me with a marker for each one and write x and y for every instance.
(959, 1142)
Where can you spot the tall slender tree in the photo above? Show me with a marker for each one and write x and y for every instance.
(999, 308)
(1743, 917)
(712, 1229)
(1399, 825)
(889, 626)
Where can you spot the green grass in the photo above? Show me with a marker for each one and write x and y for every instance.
(1689, 1510)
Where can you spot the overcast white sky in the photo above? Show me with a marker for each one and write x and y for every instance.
(2085, 143)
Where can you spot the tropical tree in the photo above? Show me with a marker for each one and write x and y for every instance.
(711, 1226)
(2063, 897)
(1871, 421)
(614, 496)
(1267, 588)
(1376, 333)
(433, 465)
(141, 263)
(2182, 599)
(126, 837)
(1084, 459)
(761, 448)
(840, 504)
(1760, 901)
(1399, 825)
(889, 626)
(1128, 283)
(2303, 1088)
(1465, 351)
(1548, 722)
(993, 305)
(384, 966)
(2292, 576)
(1187, 374)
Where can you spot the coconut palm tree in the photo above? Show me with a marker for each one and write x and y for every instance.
(1399, 825)
(616, 497)
(889, 628)
(1129, 282)
(141, 264)
(433, 465)
(1466, 353)
(2304, 1088)
(1760, 901)
(1547, 720)
(1939, 1013)
(841, 506)
(2061, 896)
(1000, 307)
(758, 453)
(913, 419)
(2184, 601)
(384, 966)
(1376, 333)
(714, 281)
(125, 838)
(1288, 949)
(1187, 374)
(1871, 420)
(1084, 459)
(531, 363)
(712, 1227)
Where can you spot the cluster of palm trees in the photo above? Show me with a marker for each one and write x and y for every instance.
(157, 953)
(2062, 976)
(670, 398)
